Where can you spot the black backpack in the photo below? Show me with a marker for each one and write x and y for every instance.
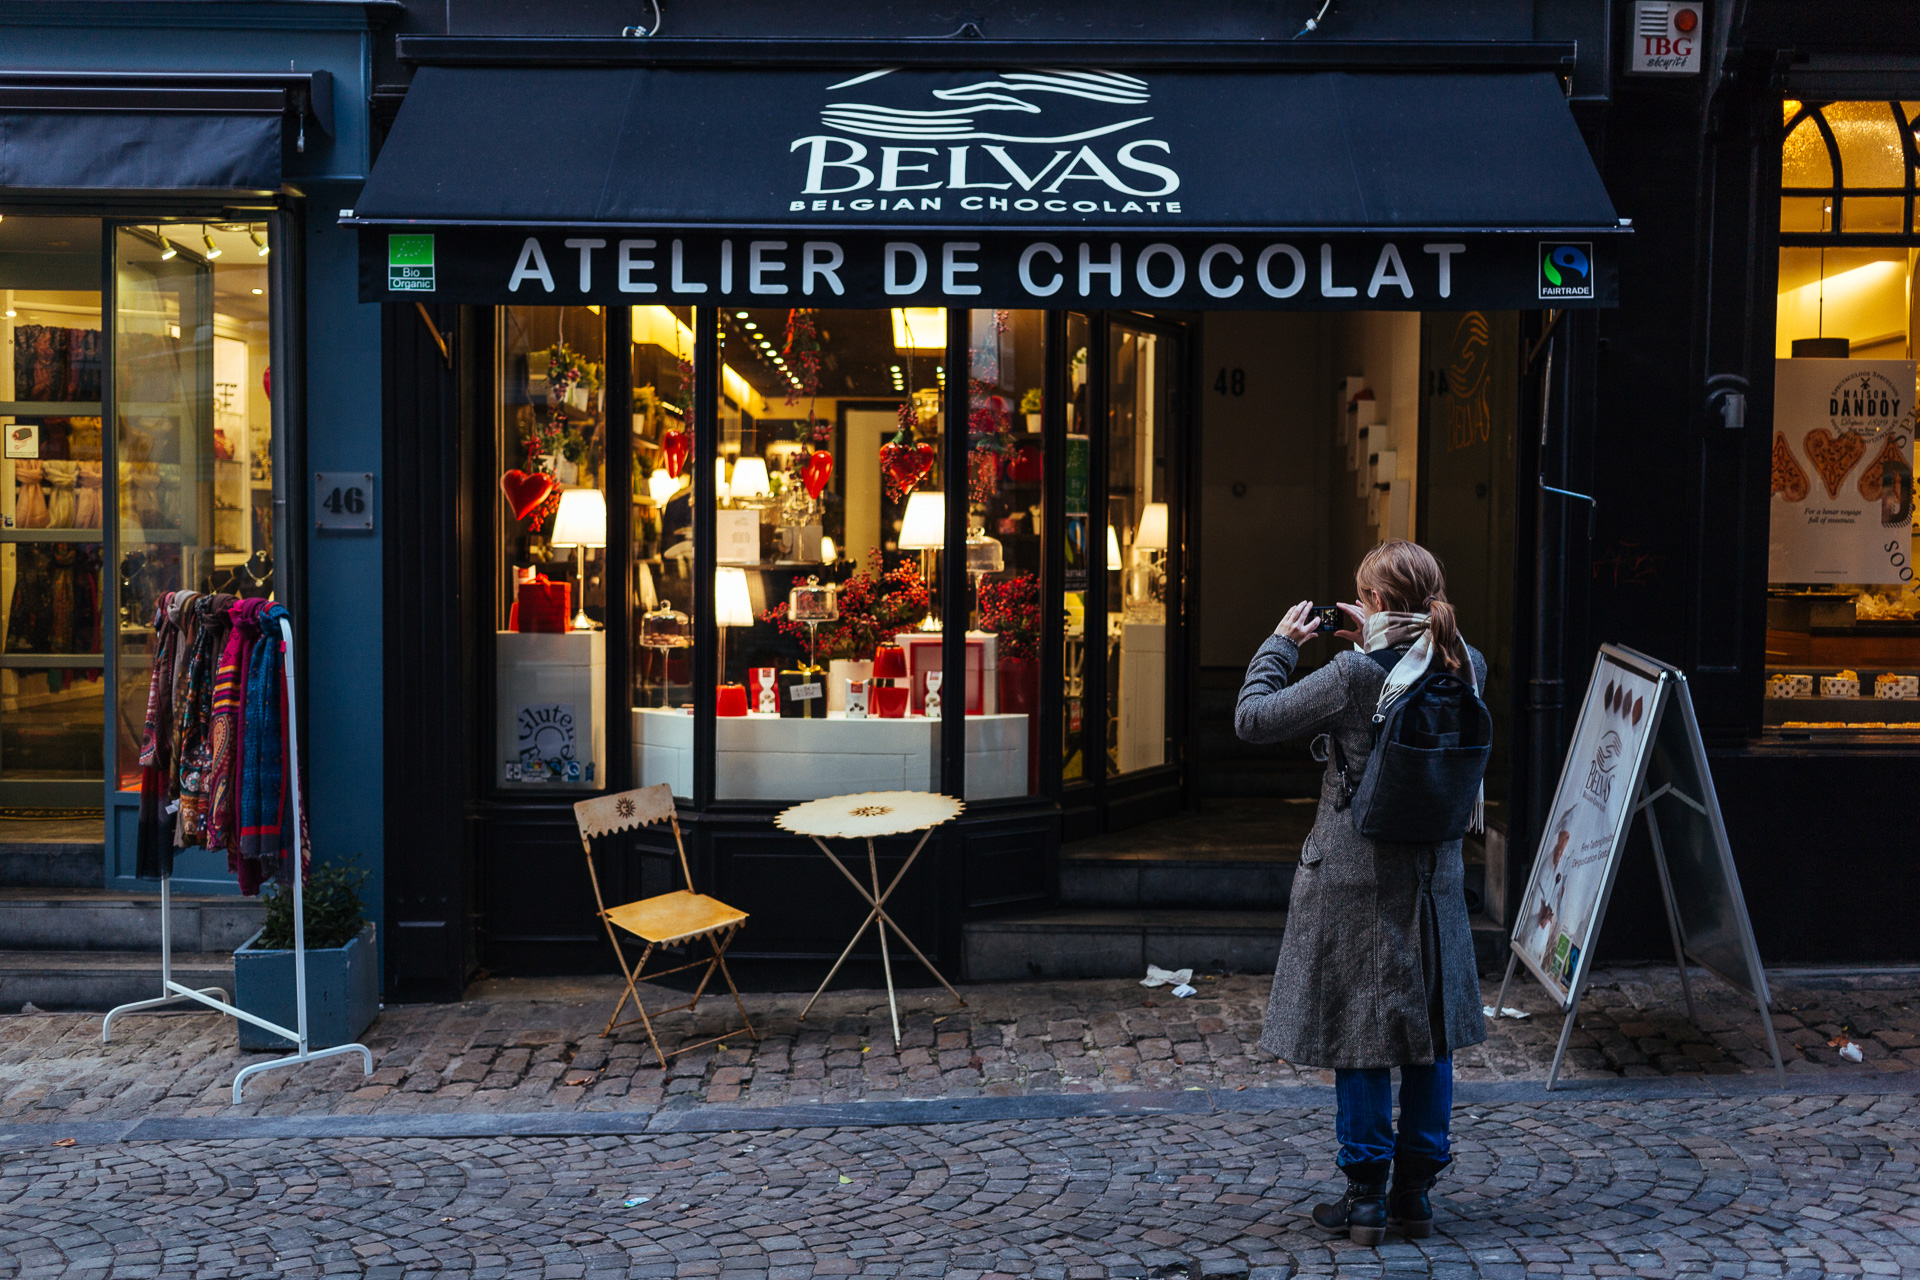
(1430, 750)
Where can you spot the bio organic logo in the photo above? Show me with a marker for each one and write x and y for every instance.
(410, 263)
(1566, 270)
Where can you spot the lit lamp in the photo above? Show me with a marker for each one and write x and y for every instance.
(750, 479)
(581, 523)
(732, 607)
(919, 329)
(924, 529)
(1151, 539)
(1113, 551)
(661, 486)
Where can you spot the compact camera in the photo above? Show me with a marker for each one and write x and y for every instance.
(1332, 618)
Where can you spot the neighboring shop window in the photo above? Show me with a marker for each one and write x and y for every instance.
(830, 542)
(550, 589)
(1136, 534)
(193, 449)
(52, 701)
(1843, 615)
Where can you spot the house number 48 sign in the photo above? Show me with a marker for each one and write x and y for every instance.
(343, 500)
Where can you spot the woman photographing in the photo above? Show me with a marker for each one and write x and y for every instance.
(1376, 968)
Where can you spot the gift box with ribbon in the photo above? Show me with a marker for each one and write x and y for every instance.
(803, 693)
(541, 605)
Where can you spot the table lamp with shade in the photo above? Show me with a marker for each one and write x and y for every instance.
(1149, 548)
(732, 607)
(923, 528)
(1113, 551)
(750, 479)
(581, 523)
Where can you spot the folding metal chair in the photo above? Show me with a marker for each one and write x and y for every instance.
(665, 920)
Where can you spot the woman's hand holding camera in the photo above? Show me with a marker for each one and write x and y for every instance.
(1306, 620)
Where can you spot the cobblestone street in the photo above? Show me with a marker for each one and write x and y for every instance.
(535, 1046)
(1757, 1186)
(1066, 1130)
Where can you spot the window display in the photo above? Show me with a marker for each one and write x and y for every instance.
(52, 701)
(1843, 617)
(1136, 531)
(550, 653)
(192, 385)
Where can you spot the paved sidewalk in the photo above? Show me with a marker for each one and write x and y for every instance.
(526, 1046)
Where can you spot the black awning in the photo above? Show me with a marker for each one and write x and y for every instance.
(91, 132)
(1182, 158)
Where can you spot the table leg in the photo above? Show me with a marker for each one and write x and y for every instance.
(833, 972)
(886, 962)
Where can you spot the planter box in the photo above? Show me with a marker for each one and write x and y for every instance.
(343, 992)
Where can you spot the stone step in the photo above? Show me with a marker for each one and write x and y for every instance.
(55, 864)
(1110, 943)
(1203, 883)
(36, 919)
(102, 979)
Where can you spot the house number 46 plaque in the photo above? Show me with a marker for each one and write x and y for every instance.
(343, 500)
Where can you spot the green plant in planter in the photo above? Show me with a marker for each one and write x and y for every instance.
(1030, 402)
(333, 914)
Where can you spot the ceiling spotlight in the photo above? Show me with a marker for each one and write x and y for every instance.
(258, 292)
(11, 313)
(259, 242)
(168, 250)
(213, 250)
(739, 315)
(749, 326)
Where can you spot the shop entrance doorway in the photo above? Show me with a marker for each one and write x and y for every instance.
(1315, 436)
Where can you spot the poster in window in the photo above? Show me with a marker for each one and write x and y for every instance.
(545, 747)
(1842, 471)
(1590, 811)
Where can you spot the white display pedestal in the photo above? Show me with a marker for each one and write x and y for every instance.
(760, 757)
(537, 673)
(1143, 695)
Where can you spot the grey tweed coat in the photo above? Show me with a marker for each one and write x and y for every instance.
(1376, 965)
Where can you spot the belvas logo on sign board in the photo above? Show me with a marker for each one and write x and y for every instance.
(410, 263)
(1566, 269)
(1026, 140)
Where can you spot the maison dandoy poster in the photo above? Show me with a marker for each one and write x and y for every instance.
(1842, 471)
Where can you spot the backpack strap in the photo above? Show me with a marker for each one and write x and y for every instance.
(1387, 659)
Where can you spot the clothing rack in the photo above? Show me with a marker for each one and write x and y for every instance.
(215, 997)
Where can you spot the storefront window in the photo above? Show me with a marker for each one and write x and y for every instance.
(550, 655)
(1008, 527)
(663, 538)
(1843, 617)
(1136, 534)
(192, 386)
(1075, 525)
(52, 700)
(830, 542)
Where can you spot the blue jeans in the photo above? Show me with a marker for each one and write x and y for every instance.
(1364, 1119)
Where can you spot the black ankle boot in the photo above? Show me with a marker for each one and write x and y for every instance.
(1408, 1205)
(1362, 1211)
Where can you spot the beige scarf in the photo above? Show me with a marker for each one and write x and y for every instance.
(1390, 631)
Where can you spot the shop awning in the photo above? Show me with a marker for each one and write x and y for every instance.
(1238, 187)
(75, 132)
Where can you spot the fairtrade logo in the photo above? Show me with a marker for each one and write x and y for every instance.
(1566, 270)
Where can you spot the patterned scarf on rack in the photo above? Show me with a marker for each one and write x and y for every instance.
(264, 778)
(194, 716)
(229, 688)
(153, 856)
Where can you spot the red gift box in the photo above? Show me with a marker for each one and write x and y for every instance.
(541, 605)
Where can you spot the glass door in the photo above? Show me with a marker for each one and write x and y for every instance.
(1137, 535)
(165, 453)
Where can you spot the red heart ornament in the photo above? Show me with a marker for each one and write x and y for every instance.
(818, 471)
(905, 465)
(525, 492)
(675, 445)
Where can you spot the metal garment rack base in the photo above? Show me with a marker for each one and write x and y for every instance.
(216, 997)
